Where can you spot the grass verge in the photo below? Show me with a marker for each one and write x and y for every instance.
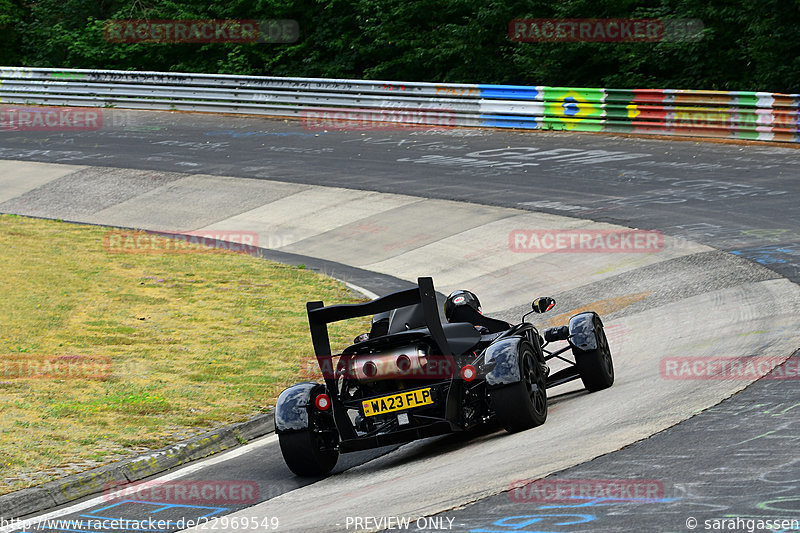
(105, 355)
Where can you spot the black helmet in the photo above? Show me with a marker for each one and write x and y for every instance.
(459, 298)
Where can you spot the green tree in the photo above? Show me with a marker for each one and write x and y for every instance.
(745, 45)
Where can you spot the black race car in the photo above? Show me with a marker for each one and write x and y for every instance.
(413, 376)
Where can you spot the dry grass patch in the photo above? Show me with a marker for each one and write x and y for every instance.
(180, 343)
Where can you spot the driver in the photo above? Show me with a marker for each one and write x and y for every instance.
(457, 299)
(464, 306)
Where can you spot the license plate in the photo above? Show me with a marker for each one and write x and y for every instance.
(397, 402)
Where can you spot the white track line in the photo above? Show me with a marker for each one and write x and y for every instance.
(366, 292)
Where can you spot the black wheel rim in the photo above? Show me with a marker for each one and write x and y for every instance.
(534, 382)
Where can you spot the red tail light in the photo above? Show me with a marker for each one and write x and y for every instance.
(468, 373)
(323, 402)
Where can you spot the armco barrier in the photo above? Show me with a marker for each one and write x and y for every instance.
(722, 114)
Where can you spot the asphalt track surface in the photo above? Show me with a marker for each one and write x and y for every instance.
(735, 459)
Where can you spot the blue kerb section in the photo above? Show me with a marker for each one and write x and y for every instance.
(510, 121)
(509, 92)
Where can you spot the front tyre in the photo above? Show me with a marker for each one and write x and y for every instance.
(595, 366)
(523, 405)
(307, 454)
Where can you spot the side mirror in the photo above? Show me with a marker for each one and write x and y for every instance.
(543, 304)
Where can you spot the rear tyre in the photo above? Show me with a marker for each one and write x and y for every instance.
(595, 366)
(305, 453)
(523, 405)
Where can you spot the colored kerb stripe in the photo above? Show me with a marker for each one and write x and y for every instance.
(709, 115)
(635, 96)
(703, 98)
(595, 96)
(510, 121)
(633, 112)
(732, 98)
(786, 100)
(562, 124)
(573, 110)
(510, 92)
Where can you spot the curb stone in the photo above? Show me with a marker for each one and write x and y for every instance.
(58, 492)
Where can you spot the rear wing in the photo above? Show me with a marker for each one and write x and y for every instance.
(320, 316)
